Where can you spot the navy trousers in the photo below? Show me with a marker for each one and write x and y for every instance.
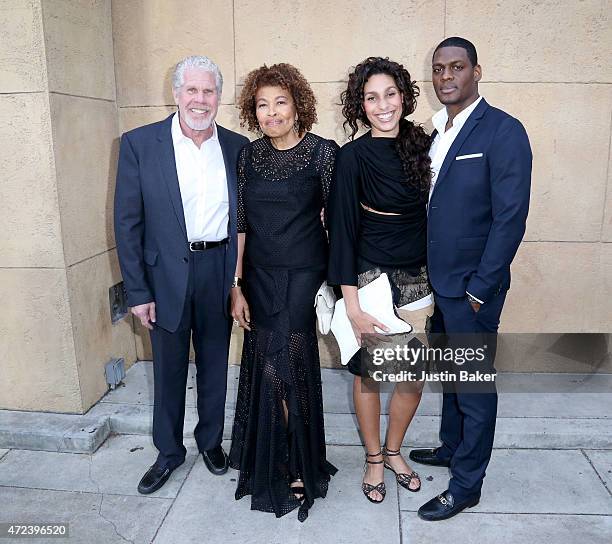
(205, 318)
(468, 412)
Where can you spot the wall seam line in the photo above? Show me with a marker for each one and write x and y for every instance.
(59, 210)
(545, 82)
(117, 106)
(561, 241)
(603, 215)
(130, 316)
(234, 48)
(444, 19)
(60, 93)
(496, 81)
(22, 92)
(92, 257)
(32, 268)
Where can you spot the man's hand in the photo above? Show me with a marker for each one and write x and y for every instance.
(240, 308)
(146, 314)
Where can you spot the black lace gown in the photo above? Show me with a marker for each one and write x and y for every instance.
(278, 433)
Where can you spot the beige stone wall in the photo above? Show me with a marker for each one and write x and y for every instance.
(561, 94)
(35, 321)
(80, 63)
(59, 151)
(74, 74)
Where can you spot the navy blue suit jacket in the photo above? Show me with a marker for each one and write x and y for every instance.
(150, 226)
(478, 208)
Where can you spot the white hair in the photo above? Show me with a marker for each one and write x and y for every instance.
(196, 61)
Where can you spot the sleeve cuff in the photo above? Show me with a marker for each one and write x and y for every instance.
(137, 300)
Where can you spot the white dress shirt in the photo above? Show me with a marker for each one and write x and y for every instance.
(203, 185)
(443, 142)
(445, 138)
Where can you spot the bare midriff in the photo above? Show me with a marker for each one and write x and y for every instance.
(376, 211)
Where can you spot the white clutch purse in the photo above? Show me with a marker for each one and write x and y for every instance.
(376, 299)
(324, 303)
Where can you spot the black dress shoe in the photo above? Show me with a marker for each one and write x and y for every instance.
(216, 460)
(429, 457)
(154, 478)
(445, 506)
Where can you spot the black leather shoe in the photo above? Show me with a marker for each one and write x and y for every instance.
(216, 460)
(445, 506)
(154, 478)
(429, 457)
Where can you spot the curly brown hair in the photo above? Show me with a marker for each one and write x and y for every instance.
(412, 142)
(287, 77)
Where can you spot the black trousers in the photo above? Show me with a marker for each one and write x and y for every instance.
(204, 318)
(469, 411)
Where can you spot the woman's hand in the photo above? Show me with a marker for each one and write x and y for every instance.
(240, 308)
(363, 324)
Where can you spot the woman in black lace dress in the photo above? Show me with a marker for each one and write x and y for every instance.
(278, 441)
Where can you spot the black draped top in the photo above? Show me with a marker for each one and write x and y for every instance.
(369, 171)
(280, 197)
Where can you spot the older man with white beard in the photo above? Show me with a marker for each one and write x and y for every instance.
(175, 226)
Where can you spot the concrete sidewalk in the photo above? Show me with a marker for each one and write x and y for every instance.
(550, 477)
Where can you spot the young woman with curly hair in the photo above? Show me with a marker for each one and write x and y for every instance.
(378, 224)
(278, 440)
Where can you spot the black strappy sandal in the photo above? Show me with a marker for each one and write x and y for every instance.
(402, 478)
(298, 489)
(368, 488)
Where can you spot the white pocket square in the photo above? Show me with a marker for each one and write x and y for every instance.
(471, 156)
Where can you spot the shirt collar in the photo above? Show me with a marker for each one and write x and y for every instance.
(177, 133)
(441, 117)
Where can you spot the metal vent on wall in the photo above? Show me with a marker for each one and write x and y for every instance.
(115, 372)
(117, 299)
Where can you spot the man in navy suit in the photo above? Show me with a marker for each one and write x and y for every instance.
(175, 227)
(479, 198)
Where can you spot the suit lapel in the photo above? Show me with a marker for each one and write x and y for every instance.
(470, 124)
(168, 167)
(230, 173)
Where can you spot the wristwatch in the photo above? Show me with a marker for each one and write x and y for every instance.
(237, 282)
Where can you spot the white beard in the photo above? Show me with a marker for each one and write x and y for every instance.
(198, 124)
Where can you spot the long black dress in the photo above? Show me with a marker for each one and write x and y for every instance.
(280, 197)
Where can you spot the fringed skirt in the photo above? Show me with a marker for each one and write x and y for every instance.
(278, 433)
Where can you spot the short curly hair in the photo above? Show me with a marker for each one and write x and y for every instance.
(287, 77)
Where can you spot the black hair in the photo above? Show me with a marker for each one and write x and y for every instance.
(456, 41)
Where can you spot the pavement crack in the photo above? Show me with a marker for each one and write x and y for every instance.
(173, 503)
(111, 523)
(603, 482)
(91, 478)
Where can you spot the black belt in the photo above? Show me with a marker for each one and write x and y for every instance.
(201, 246)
